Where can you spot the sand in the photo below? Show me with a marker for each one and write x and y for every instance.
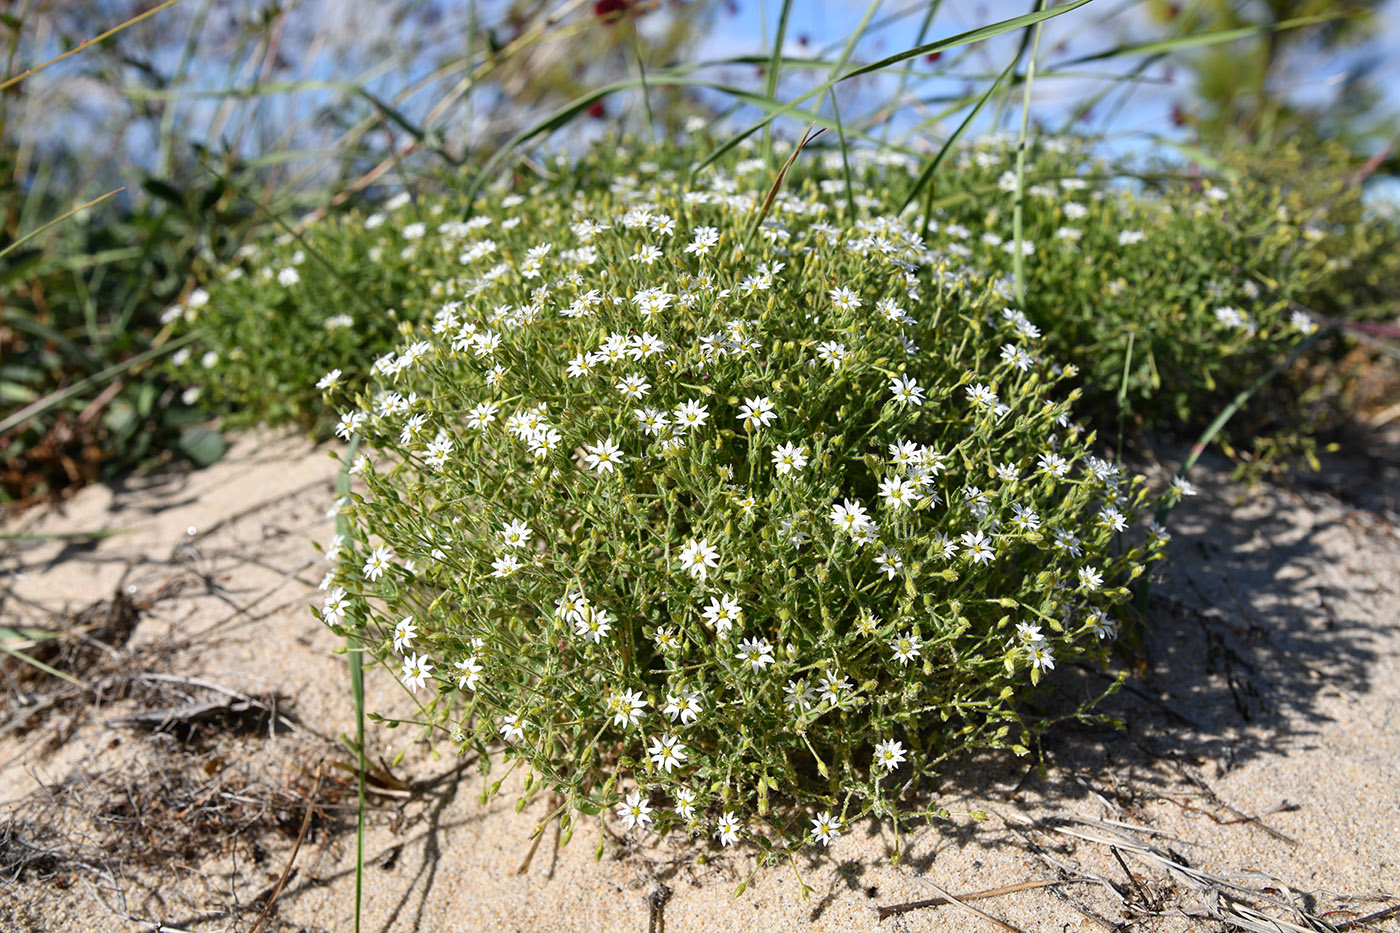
(1261, 745)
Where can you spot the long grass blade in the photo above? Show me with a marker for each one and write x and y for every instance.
(86, 43)
(57, 220)
(1206, 39)
(356, 665)
(770, 78)
(962, 38)
(53, 399)
(1017, 257)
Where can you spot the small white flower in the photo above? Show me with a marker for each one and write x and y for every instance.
(889, 754)
(667, 753)
(513, 728)
(603, 456)
(905, 647)
(789, 458)
(404, 633)
(697, 557)
(505, 565)
(515, 534)
(378, 561)
(757, 412)
(755, 652)
(334, 607)
(416, 671)
(635, 811)
(825, 828)
(849, 517)
(977, 547)
(727, 829)
(684, 705)
(907, 391)
(330, 380)
(1090, 578)
(723, 613)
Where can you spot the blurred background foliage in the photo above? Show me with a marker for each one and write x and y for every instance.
(220, 119)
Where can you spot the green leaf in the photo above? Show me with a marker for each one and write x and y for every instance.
(203, 445)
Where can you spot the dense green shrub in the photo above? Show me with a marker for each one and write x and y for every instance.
(737, 529)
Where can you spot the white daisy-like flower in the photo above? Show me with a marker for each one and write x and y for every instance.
(697, 558)
(667, 753)
(906, 647)
(889, 754)
(603, 456)
(683, 705)
(849, 517)
(789, 458)
(906, 391)
(416, 671)
(825, 828)
(635, 810)
(727, 829)
(723, 613)
(515, 534)
(757, 412)
(755, 652)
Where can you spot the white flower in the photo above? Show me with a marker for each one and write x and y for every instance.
(907, 391)
(1101, 625)
(468, 673)
(977, 547)
(603, 456)
(416, 671)
(825, 828)
(650, 420)
(755, 652)
(378, 561)
(1017, 357)
(905, 647)
(723, 613)
(685, 705)
(667, 752)
(691, 414)
(849, 517)
(330, 380)
(1113, 518)
(981, 396)
(1054, 464)
(844, 299)
(888, 754)
(505, 565)
(1090, 578)
(1041, 655)
(515, 534)
(626, 707)
(635, 810)
(728, 828)
(1182, 486)
(685, 802)
(404, 633)
(334, 607)
(789, 458)
(898, 492)
(513, 728)
(757, 412)
(697, 557)
(634, 386)
(597, 624)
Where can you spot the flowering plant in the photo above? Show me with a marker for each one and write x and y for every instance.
(739, 527)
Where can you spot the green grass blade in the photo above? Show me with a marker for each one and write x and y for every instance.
(54, 399)
(926, 176)
(57, 220)
(39, 665)
(845, 161)
(87, 42)
(1018, 259)
(357, 694)
(1205, 39)
(962, 38)
(770, 82)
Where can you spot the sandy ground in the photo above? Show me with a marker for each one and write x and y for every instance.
(1261, 748)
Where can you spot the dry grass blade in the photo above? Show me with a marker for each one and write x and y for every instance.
(955, 900)
(893, 909)
(291, 859)
(778, 181)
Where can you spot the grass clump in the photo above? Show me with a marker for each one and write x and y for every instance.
(735, 528)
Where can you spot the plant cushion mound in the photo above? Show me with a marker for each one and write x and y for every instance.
(730, 526)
